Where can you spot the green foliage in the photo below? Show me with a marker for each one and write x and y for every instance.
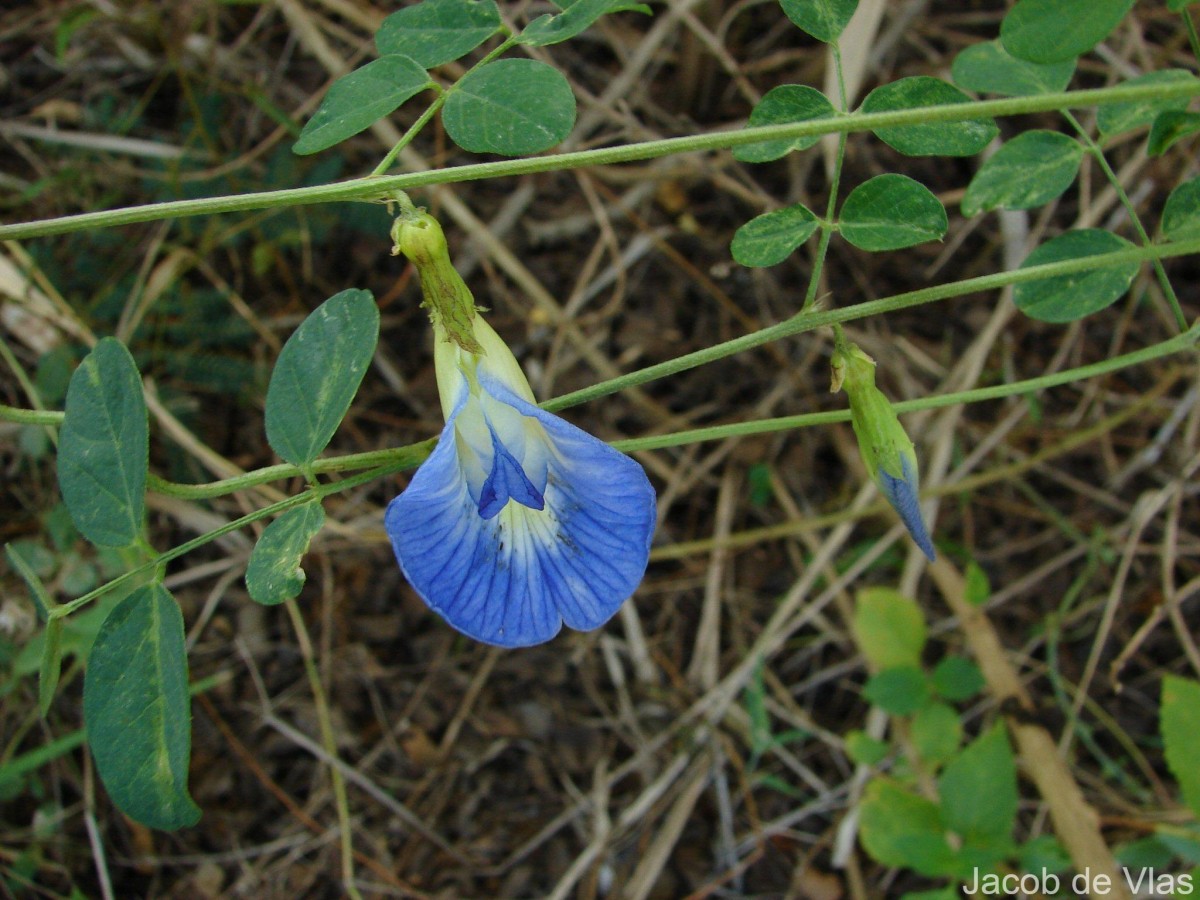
(978, 792)
(902, 829)
(770, 238)
(104, 446)
(358, 100)
(988, 68)
(1050, 31)
(1117, 118)
(957, 678)
(576, 17)
(889, 628)
(936, 732)
(512, 107)
(274, 574)
(1181, 215)
(898, 690)
(779, 106)
(978, 588)
(1030, 170)
(1180, 725)
(434, 32)
(864, 749)
(318, 373)
(891, 212)
(823, 19)
(931, 138)
(1065, 298)
(1169, 128)
(50, 668)
(137, 711)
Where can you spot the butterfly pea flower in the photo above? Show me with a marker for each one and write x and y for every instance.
(885, 447)
(518, 522)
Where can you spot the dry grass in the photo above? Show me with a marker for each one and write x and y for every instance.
(616, 763)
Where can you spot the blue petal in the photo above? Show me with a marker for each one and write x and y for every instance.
(506, 481)
(902, 494)
(513, 579)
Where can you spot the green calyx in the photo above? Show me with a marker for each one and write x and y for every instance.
(881, 438)
(451, 305)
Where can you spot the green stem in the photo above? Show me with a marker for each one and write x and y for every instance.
(829, 225)
(372, 188)
(1098, 154)
(30, 416)
(1179, 343)
(413, 131)
(328, 741)
(1193, 38)
(319, 493)
(438, 103)
(811, 320)
(408, 457)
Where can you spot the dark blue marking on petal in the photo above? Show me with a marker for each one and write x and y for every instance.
(902, 494)
(507, 481)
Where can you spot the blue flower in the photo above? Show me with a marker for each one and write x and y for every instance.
(518, 521)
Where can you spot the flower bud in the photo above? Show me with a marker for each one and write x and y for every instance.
(885, 447)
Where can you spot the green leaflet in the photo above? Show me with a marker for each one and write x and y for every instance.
(770, 238)
(434, 32)
(1181, 215)
(888, 627)
(318, 373)
(357, 101)
(137, 710)
(274, 574)
(932, 138)
(576, 17)
(987, 68)
(103, 447)
(823, 19)
(514, 107)
(1065, 298)
(1180, 724)
(1028, 171)
(890, 212)
(780, 106)
(1050, 31)
(978, 791)
(1116, 118)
